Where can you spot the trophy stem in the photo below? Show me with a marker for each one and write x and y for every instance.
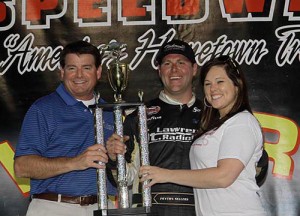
(121, 163)
(101, 173)
(143, 133)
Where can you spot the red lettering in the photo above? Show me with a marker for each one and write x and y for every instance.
(87, 9)
(236, 6)
(255, 5)
(294, 6)
(188, 7)
(130, 9)
(34, 8)
(2, 11)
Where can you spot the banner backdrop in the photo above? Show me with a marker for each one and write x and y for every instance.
(262, 35)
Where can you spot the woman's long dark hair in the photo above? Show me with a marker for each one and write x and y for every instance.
(210, 118)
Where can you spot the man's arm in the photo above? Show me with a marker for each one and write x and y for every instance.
(38, 167)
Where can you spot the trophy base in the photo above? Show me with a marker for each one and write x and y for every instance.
(139, 211)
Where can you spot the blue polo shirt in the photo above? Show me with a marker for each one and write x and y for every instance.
(57, 125)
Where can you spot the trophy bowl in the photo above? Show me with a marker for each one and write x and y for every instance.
(118, 78)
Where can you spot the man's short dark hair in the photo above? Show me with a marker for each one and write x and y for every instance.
(80, 47)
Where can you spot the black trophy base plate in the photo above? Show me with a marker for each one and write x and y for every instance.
(139, 211)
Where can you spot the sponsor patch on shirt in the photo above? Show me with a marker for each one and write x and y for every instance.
(153, 110)
(172, 135)
(196, 109)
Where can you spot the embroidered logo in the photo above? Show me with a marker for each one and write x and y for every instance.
(152, 110)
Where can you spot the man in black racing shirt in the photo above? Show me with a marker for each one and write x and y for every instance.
(172, 121)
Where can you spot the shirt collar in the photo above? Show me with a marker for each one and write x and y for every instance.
(87, 103)
(165, 98)
(65, 95)
(69, 99)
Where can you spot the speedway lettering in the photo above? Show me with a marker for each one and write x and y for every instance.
(282, 149)
(38, 14)
(29, 58)
(289, 49)
(7, 162)
(244, 51)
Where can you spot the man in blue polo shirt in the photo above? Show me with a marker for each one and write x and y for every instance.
(56, 148)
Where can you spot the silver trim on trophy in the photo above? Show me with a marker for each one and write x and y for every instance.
(143, 134)
(101, 173)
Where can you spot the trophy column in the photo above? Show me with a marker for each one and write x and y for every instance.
(122, 181)
(143, 133)
(101, 174)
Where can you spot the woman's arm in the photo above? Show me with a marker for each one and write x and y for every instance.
(222, 176)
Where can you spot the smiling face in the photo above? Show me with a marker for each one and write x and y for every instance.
(80, 75)
(177, 72)
(219, 90)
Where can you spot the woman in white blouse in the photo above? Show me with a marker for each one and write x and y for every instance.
(227, 148)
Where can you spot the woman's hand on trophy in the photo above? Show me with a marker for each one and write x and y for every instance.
(115, 145)
(154, 175)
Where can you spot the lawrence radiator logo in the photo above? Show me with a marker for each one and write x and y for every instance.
(172, 135)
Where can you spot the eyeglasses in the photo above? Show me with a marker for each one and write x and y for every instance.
(231, 62)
